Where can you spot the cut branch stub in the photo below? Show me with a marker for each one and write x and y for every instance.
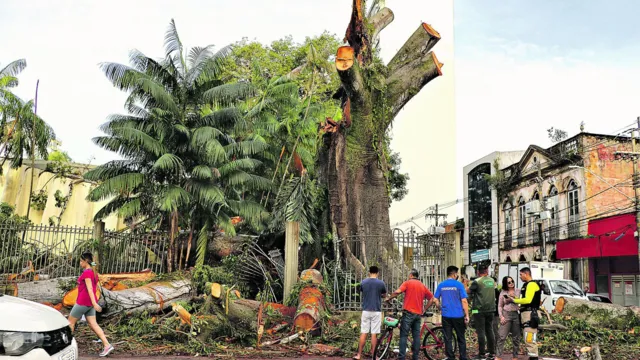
(311, 275)
(421, 42)
(345, 58)
(379, 21)
(350, 75)
(356, 35)
(407, 80)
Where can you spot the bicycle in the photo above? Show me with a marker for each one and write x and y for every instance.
(433, 346)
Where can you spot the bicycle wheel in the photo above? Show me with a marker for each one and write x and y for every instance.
(384, 344)
(433, 343)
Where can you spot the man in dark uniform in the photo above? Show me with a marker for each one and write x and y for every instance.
(529, 304)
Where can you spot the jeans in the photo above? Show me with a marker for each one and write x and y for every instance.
(450, 325)
(511, 326)
(484, 328)
(410, 322)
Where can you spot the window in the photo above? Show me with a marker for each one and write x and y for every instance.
(522, 221)
(507, 225)
(479, 194)
(533, 226)
(572, 200)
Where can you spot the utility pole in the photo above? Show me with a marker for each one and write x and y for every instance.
(634, 154)
(436, 215)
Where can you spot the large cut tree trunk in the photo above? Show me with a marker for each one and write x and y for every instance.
(602, 314)
(151, 297)
(353, 164)
(311, 303)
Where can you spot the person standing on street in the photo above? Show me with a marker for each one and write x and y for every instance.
(373, 290)
(509, 317)
(412, 309)
(483, 308)
(455, 312)
(529, 305)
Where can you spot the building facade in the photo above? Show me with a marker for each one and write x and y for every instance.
(574, 202)
(480, 240)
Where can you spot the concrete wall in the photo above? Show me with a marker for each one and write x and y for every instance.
(15, 186)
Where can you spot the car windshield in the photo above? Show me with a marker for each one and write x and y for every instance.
(566, 287)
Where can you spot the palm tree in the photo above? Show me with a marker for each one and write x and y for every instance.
(8, 79)
(187, 156)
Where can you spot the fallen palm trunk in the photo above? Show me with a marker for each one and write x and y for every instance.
(595, 313)
(311, 305)
(152, 297)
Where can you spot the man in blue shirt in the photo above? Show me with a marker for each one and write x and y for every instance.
(373, 290)
(455, 312)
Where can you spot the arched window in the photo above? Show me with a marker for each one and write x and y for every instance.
(533, 227)
(522, 258)
(572, 206)
(522, 221)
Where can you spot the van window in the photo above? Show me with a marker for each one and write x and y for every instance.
(566, 287)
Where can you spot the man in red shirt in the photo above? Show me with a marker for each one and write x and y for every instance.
(413, 307)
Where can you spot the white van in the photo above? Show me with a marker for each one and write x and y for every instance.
(29, 330)
(552, 289)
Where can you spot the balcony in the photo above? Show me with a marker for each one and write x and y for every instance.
(574, 227)
(508, 237)
(522, 237)
(554, 232)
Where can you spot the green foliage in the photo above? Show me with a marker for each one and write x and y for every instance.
(39, 200)
(556, 135)
(499, 182)
(225, 274)
(188, 152)
(296, 202)
(397, 180)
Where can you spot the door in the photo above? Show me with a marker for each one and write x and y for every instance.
(630, 290)
(617, 290)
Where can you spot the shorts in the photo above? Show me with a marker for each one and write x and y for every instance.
(371, 322)
(78, 310)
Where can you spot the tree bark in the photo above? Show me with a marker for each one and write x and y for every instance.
(352, 163)
(595, 313)
(153, 297)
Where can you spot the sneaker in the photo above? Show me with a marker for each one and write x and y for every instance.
(107, 351)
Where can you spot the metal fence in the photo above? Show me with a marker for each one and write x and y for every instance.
(29, 252)
(429, 254)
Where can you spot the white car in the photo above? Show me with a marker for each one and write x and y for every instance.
(553, 289)
(29, 330)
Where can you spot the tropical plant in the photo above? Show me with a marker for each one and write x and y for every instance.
(188, 159)
(9, 79)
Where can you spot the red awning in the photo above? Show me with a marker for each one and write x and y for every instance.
(578, 249)
(614, 236)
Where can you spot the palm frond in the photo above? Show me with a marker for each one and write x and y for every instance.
(110, 169)
(131, 208)
(202, 172)
(229, 94)
(173, 197)
(249, 181)
(13, 68)
(138, 138)
(168, 163)
(245, 164)
(201, 244)
(119, 184)
(246, 148)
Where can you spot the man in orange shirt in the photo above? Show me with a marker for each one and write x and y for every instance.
(413, 307)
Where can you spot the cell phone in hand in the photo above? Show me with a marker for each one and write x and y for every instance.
(505, 296)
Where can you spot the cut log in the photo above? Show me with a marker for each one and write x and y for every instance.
(596, 313)
(152, 297)
(311, 303)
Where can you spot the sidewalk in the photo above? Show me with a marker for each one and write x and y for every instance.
(124, 357)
